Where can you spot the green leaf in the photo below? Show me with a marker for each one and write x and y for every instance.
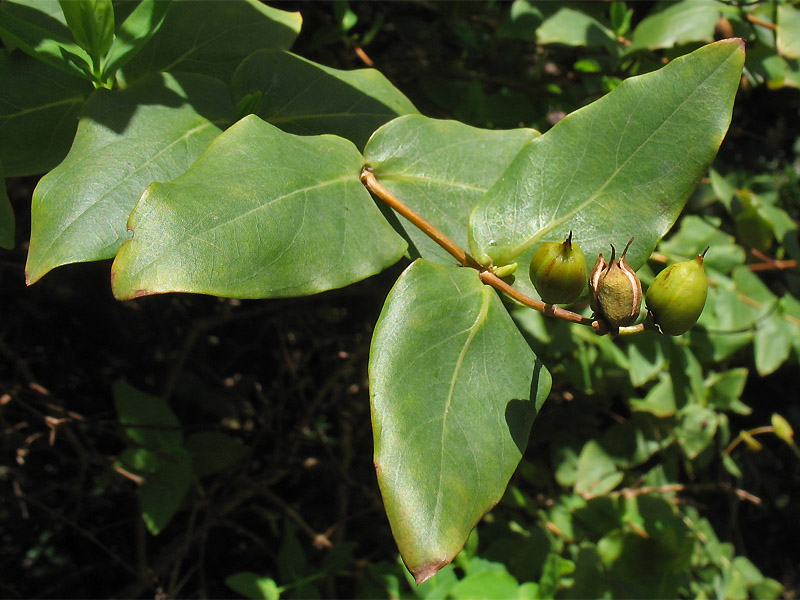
(213, 37)
(126, 139)
(92, 25)
(454, 389)
(659, 401)
(522, 20)
(597, 473)
(788, 31)
(253, 585)
(621, 167)
(157, 453)
(696, 429)
(645, 357)
(633, 441)
(695, 235)
(6, 216)
(307, 98)
(754, 300)
(620, 16)
(134, 32)
(726, 388)
(261, 214)
(213, 452)
(39, 108)
(773, 342)
(487, 584)
(674, 23)
(42, 43)
(45, 14)
(147, 420)
(440, 169)
(782, 428)
(164, 490)
(573, 27)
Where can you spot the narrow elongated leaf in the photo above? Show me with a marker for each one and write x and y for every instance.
(126, 140)
(92, 25)
(39, 107)
(134, 32)
(306, 98)
(454, 389)
(621, 167)
(441, 169)
(213, 37)
(6, 216)
(261, 214)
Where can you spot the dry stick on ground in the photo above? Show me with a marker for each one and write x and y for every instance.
(487, 276)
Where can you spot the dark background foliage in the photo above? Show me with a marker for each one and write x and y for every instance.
(288, 377)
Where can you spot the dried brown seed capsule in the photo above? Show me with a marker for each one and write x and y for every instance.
(558, 271)
(616, 290)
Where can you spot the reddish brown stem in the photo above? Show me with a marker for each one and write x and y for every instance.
(487, 276)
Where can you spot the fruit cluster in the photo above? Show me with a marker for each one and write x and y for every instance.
(675, 299)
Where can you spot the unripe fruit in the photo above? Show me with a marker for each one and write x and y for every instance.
(677, 296)
(558, 271)
(616, 292)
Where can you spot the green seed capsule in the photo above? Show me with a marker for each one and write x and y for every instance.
(677, 296)
(616, 292)
(558, 271)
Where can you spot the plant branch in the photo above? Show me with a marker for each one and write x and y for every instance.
(487, 276)
(373, 185)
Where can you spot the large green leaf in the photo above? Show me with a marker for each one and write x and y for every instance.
(126, 139)
(6, 216)
(39, 107)
(441, 169)
(262, 213)
(213, 37)
(621, 167)
(306, 98)
(454, 389)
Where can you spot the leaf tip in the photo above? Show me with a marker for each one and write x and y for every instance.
(428, 570)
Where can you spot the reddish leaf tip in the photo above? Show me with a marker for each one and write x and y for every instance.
(428, 570)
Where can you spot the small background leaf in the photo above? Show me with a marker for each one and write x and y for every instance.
(213, 451)
(261, 214)
(454, 389)
(157, 454)
(306, 98)
(253, 585)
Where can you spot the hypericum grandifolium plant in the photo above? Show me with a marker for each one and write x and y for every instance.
(235, 168)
